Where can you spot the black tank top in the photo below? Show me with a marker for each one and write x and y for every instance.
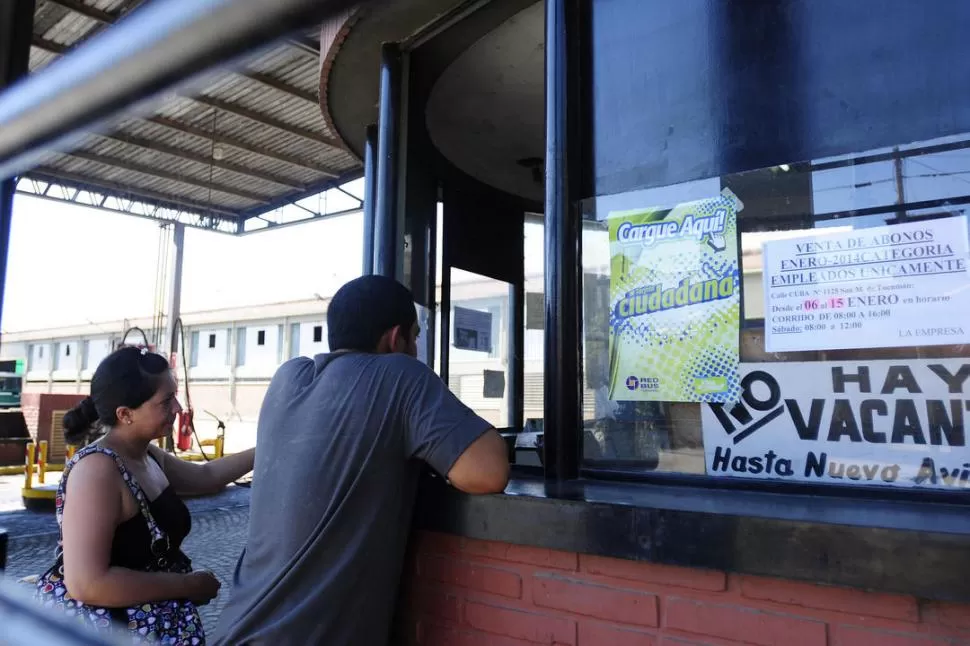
(131, 546)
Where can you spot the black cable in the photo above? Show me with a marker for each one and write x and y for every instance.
(135, 329)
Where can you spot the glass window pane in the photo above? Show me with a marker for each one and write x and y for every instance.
(478, 357)
(853, 343)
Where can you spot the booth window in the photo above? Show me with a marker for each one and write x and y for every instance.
(775, 288)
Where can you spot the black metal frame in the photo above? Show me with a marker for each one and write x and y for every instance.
(890, 541)
(386, 233)
(563, 223)
(16, 25)
(370, 196)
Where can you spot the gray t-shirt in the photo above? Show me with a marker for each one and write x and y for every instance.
(339, 448)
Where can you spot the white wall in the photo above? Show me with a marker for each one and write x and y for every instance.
(209, 354)
(94, 351)
(39, 361)
(259, 349)
(66, 359)
(14, 350)
(305, 343)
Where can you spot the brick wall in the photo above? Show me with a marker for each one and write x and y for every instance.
(463, 592)
(37, 409)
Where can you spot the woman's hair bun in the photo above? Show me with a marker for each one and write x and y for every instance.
(79, 419)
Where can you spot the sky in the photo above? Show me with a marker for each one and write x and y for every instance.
(71, 264)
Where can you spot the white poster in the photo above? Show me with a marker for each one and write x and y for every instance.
(877, 423)
(893, 286)
(473, 329)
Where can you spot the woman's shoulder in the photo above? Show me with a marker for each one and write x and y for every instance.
(93, 466)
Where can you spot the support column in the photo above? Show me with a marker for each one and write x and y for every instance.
(516, 356)
(16, 28)
(175, 312)
(563, 354)
(370, 196)
(386, 233)
(175, 289)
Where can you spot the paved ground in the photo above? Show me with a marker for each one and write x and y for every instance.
(218, 535)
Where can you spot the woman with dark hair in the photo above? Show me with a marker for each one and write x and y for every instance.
(122, 521)
(81, 426)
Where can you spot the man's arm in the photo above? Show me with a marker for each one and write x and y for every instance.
(449, 436)
(483, 467)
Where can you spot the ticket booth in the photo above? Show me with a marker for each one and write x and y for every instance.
(723, 246)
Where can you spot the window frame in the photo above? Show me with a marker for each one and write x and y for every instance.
(570, 180)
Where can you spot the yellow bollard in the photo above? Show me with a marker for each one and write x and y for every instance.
(29, 470)
(42, 462)
(220, 447)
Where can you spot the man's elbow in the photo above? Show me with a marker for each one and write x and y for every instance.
(492, 481)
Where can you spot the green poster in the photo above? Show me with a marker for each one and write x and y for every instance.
(675, 300)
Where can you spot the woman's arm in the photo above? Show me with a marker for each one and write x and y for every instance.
(93, 509)
(207, 477)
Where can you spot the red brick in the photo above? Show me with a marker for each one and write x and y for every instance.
(435, 543)
(952, 615)
(428, 601)
(520, 624)
(438, 635)
(594, 633)
(476, 576)
(858, 602)
(653, 573)
(705, 641)
(853, 636)
(522, 554)
(743, 624)
(595, 600)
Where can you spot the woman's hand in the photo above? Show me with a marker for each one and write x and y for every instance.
(203, 587)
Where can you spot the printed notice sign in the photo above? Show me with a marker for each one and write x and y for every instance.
(876, 423)
(473, 329)
(893, 286)
(675, 302)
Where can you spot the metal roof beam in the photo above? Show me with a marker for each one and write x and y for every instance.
(137, 207)
(87, 11)
(202, 133)
(106, 18)
(155, 146)
(280, 86)
(48, 45)
(125, 164)
(263, 119)
(167, 44)
(304, 44)
(56, 176)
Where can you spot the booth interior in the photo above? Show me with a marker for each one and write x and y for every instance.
(795, 405)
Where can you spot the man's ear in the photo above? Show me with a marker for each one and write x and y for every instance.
(390, 340)
(397, 338)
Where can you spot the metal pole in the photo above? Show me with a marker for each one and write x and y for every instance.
(16, 27)
(516, 356)
(175, 286)
(175, 312)
(385, 210)
(563, 421)
(370, 195)
(160, 47)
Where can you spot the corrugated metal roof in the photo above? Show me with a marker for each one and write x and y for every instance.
(249, 140)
